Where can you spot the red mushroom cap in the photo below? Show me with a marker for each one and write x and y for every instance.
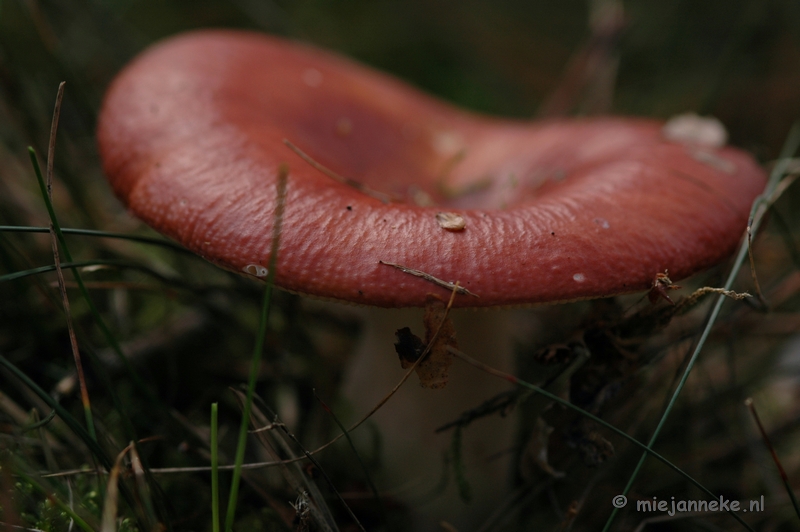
(192, 134)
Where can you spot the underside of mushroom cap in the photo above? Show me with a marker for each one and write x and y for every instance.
(192, 135)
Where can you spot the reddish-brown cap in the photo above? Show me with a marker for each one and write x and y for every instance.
(192, 134)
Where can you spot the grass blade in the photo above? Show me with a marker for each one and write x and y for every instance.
(283, 174)
(99, 234)
(214, 468)
(96, 262)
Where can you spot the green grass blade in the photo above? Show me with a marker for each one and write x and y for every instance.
(214, 468)
(83, 264)
(51, 268)
(283, 173)
(100, 234)
(41, 423)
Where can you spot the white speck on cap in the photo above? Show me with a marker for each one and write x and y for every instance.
(312, 77)
(602, 222)
(689, 128)
(447, 143)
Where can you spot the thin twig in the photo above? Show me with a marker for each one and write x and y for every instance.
(76, 355)
(430, 278)
(691, 300)
(51, 144)
(385, 198)
(784, 477)
(180, 470)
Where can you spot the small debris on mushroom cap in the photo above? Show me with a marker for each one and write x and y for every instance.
(256, 270)
(192, 133)
(690, 128)
(451, 221)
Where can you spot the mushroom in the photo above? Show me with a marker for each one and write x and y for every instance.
(393, 195)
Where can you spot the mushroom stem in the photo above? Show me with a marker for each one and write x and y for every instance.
(412, 452)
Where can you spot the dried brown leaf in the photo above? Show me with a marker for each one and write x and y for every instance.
(433, 371)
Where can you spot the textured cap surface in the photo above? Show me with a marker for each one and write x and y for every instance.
(191, 136)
